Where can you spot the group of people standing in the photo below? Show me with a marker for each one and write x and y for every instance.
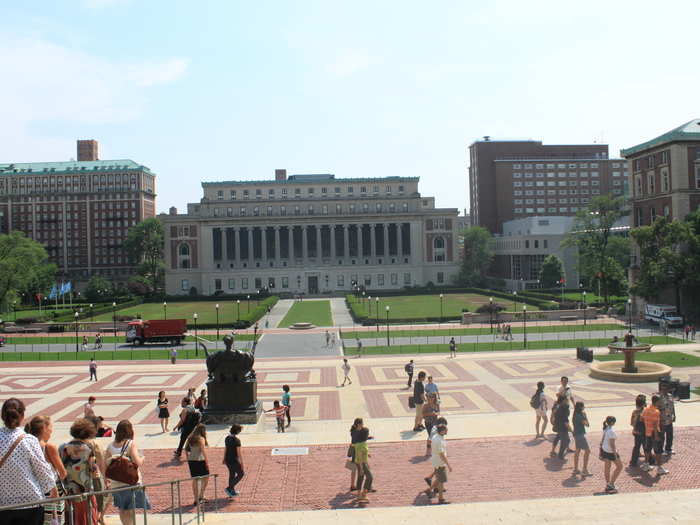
(652, 427)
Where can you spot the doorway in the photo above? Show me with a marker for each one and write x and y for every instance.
(313, 284)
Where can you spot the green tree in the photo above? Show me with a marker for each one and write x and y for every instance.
(23, 264)
(477, 257)
(666, 250)
(98, 289)
(592, 234)
(145, 245)
(552, 271)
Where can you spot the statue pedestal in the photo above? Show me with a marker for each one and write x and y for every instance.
(232, 402)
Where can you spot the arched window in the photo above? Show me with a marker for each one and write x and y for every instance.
(183, 259)
(185, 249)
(439, 242)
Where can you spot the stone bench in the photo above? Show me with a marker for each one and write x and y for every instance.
(568, 318)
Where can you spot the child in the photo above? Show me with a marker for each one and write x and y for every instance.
(279, 411)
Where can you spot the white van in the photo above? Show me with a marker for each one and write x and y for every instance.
(658, 313)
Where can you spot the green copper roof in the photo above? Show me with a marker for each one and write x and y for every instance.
(690, 131)
(70, 166)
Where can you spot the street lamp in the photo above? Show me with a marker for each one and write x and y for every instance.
(525, 325)
(76, 331)
(91, 312)
(387, 326)
(515, 298)
(376, 300)
(217, 321)
(629, 312)
(257, 300)
(114, 323)
(248, 300)
(441, 296)
(491, 313)
(165, 310)
(195, 333)
(584, 308)
(369, 306)
(238, 303)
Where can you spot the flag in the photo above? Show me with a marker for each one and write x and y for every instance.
(53, 293)
(68, 287)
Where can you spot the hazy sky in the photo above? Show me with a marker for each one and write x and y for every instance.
(231, 90)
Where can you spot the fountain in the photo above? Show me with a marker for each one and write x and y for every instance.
(629, 370)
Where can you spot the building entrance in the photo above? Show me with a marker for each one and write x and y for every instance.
(313, 284)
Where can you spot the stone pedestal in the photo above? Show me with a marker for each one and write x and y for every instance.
(232, 402)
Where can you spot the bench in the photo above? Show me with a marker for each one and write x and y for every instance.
(568, 318)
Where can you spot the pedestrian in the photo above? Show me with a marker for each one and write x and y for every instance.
(197, 461)
(668, 417)
(191, 396)
(359, 347)
(93, 369)
(287, 402)
(565, 389)
(79, 459)
(233, 459)
(408, 368)
(189, 418)
(27, 476)
(359, 437)
(333, 340)
(85, 343)
(560, 425)
(98, 479)
(653, 438)
(439, 421)
(692, 332)
(431, 410)
(328, 338)
(609, 454)
(350, 461)
(453, 347)
(345, 367)
(279, 411)
(538, 401)
(173, 355)
(440, 464)
(686, 332)
(637, 424)
(163, 412)
(419, 399)
(89, 407)
(201, 402)
(98, 341)
(127, 501)
(580, 422)
(432, 388)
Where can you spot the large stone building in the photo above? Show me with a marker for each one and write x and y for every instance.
(81, 211)
(309, 234)
(517, 179)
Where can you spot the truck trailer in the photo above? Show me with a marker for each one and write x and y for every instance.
(156, 331)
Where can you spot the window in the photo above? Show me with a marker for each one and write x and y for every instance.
(537, 243)
(651, 183)
(285, 282)
(232, 195)
(324, 209)
(638, 185)
(380, 279)
(245, 194)
(258, 194)
(283, 210)
(350, 189)
(667, 212)
(545, 242)
(269, 211)
(231, 284)
(363, 189)
(217, 284)
(368, 280)
(336, 189)
(650, 165)
(407, 278)
(256, 211)
(340, 280)
(563, 210)
(697, 177)
(220, 195)
(665, 187)
(400, 188)
(527, 244)
(324, 190)
(185, 285)
(664, 158)
(375, 189)
(310, 191)
(517, 175)
(440, 277)
(394, 279)
(595, 174)
(297, 192)
(379, 207)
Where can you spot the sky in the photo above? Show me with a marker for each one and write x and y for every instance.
(232, 90)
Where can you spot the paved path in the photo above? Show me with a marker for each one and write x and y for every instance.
(279, 311)
(300, 345)
(341, 314)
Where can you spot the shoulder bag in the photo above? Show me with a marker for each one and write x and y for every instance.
(12, 449)
(122, 469)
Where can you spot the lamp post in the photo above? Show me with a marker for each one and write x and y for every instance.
(629, 312)
(584, 308)
(525, 325)
(91, 315)
(491, 313)
(76, 331)
(515, 304)
(369, 306)
(376, 300)
(238, 303)
(248, 300)
(114, 322)
(196, 348)
(388, 343)
(217, 322)
(441, 297)
(257, 300)
(14, 311)
(165, 310)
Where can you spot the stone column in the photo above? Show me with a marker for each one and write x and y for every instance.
(237, 243)
(399, 241)
(304, 244)
(250, 244)
(385, 228)
(346, 240)
(319, 244)
(373, 240)
(277, 243)
(263, 243)
(332, 239)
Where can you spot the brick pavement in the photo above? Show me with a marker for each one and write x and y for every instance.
(494, 469)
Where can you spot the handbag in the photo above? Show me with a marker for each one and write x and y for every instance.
(350, 464)
(12, 449)
(411, 402)
(122, 469)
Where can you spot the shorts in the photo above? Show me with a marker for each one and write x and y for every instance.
(198, 468)
(541, 413)
(419, 410)
(610, 456)
(441, 474)
(124, 501)
(581, 441)
(651, 444)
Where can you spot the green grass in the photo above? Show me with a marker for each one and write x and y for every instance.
(448, 331)
(102, 355)
(106, 339)
(498, 346)
(314, 312)
(696, 391)
(672, 359)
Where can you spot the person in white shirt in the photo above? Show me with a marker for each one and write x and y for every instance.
(26, 475)
(345, 367)
(610, 455)
(565, 389)
(440, 463)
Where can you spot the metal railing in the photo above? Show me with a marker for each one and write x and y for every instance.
(175, 508)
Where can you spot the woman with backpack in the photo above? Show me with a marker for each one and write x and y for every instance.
(538, 401)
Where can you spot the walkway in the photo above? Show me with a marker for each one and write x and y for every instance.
(301, 344)
(279, 311)
(341, 314)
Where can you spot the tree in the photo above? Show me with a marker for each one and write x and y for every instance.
(23, 262)
(98, 289)
(593, 236)
(666, 251)
(552, 271)
(145, 245)
(477, 258)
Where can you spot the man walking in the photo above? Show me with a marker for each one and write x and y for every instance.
(561, 423)
(345, 367)
(359, 347)
(653, 436)
(419, 399)
(328, 339)
(453, 347)
(668, 417)
(173, 355)
(409, 370)
(93, 369)
(440, 464)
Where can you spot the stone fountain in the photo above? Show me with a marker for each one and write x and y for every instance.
(629, 370)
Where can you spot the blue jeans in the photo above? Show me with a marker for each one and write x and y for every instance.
(564, 440)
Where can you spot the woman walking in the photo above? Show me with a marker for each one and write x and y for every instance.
(609, 454)
(637, 424)
(539, 403)
(26, 475)
(163, 412)
(580, 421)
(360, 435)
(197, 461)
(127, 501)
(431, 410)
(80, 460)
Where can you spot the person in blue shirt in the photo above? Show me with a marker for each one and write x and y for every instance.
(287, 401)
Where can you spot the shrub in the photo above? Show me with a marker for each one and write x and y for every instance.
(490, 308)
(28, 320)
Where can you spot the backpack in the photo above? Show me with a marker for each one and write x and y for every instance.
(192, 419)
(407, 368)
(535, 400)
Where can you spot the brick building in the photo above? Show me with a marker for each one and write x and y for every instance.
(518, 179)
(81, 211)
(309, 234)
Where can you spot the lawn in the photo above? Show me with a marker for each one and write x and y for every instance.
(449, 331)
(139, 354)
(206, 311)
(500, 346)
(69, 338)
(314, 312)
(672, 359)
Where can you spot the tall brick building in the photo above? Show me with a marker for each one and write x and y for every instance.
(519, 179)
(81, 211)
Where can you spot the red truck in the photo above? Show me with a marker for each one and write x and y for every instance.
(156, 331)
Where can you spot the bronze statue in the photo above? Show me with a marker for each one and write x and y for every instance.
(230, 365)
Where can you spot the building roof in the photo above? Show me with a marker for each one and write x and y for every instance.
(70, 166)
(690, 131)
(296, 179)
